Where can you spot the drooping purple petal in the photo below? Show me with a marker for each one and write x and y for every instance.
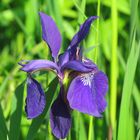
(86, 93)
(79, 66)
(82, 33)
(35, 101)
(100, 83)
(50, 34)
(60, 118)
(36, 65)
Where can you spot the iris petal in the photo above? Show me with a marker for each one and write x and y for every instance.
(79, 66)
(100, 83)
(35, 65)
(50, 34)
(35, 101)
(63, 58)
(60, 118)
(71, 53)
(86, 93)
(82, 33)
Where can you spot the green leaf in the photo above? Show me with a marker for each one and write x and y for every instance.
(15, 119)
(135, 93)
(124, 117)
(3, 85)
(3, 128)
(38, 121)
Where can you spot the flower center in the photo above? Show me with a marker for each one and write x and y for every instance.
(87, 78)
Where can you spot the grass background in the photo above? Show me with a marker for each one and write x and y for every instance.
(113, 43)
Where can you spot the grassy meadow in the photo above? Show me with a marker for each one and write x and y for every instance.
(113, 44)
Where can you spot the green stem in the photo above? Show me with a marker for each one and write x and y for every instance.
(97, 26)
(91, 127)
(113, 74)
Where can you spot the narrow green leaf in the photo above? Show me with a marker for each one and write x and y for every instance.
(82, 7)
(138, 128)
(3, 85)
(16, 114)
(138, 135)
(136, 96)
(79, 9)
(136, 93)
(114, 66)
(3, 128)
(38, 121)
(82, 131)
(127, 91)
(131, 125)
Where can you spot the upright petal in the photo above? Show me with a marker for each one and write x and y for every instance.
(69, 55)
(75, 53)
(86, 93)
(60, 118)
(63, 58)
(82, 33)
(36, 65)
(50, 34)
(35, 101)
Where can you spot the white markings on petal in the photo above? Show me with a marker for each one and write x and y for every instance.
(29, 81)
(86, 78)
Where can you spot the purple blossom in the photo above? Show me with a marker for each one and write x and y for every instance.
(87, 90)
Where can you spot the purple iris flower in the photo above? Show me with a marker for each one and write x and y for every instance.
(87, 89)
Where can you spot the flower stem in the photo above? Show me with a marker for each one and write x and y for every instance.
(91, 126)
(114, 67)
(97, 35)
(91, 129)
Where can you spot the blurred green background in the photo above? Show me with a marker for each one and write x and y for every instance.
(113, 43)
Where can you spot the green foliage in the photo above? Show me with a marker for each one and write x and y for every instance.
(16, 112)
(125, 112)
(113, 43)
(3, 128)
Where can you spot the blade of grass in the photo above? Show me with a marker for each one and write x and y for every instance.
(138, 135)
(97, 35)
(3, 85)
(138, 128)
(79, 9)
(3, 128)
(91, 126)
(114, 68)
(133, 17)
(82, 131)
(136, 93)
(136, 96)
(38, 121)
(82, 6)
(91, 136)
(127, 92)
(131, 128)
(16, 113)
